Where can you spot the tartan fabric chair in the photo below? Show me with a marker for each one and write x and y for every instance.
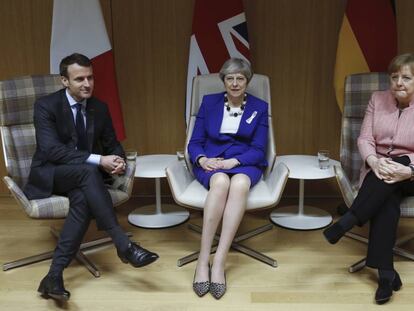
(17, 97)
(188, 192)
(358, 90)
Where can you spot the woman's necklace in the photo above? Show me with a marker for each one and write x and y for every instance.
(235, 113)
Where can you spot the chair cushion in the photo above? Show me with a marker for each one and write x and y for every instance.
(195, 195)
(52, 207)
(58, 206)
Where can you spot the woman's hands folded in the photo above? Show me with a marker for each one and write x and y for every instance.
(212, 164)
(388, 170)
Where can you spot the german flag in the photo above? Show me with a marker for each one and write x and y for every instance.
(367, 40)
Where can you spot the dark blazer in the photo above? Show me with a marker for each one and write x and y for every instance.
(56, 139)
(248, 145)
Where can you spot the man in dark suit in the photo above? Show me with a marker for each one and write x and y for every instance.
(76, 148)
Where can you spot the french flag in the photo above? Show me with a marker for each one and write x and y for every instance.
(78, 26)
(219, 32)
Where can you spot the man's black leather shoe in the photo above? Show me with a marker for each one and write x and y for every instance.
(137, 256)
(386, 288)
(52, 286)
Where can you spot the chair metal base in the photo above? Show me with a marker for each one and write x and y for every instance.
(235, 245)
(80, 256)
(397, 249)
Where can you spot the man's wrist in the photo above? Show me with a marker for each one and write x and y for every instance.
(94, 159)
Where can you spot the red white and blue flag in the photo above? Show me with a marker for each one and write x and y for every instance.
(219, 32)
(78, 26)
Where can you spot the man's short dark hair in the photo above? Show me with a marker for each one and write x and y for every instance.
(74, 58)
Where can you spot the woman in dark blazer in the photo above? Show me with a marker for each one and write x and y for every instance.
(387, 147)
(228, 150)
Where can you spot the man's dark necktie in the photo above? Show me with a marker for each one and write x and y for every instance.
(80, 129)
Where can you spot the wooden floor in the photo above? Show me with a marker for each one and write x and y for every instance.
(312, 274)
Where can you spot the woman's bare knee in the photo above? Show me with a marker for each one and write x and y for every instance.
(240, 183)
(219, 181)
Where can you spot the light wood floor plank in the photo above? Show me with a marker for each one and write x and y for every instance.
(312, 274)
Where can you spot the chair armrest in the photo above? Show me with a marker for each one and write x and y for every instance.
(125, 182)
(276, 180)
(348, 192)
(19, 195)
(179, 177)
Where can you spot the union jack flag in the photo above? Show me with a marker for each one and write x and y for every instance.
(219, 32)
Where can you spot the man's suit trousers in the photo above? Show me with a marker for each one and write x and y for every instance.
(83, 185)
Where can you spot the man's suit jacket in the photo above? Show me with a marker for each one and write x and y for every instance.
(248, 145)
(56, 139)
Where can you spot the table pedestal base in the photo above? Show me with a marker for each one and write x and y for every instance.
(311, 218)
(149, 217)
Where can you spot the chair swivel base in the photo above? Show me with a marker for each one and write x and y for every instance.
(235, 245)
(291, 217)
(80, 256)
(397, 249)
(149, 217)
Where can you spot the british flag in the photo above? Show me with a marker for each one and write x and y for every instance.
(219, 32)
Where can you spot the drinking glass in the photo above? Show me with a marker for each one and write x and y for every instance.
(323, 159)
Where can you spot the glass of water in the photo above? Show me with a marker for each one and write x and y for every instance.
(323, 159)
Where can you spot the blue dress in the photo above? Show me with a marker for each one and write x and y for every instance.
(248, 145)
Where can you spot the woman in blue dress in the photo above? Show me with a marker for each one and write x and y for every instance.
(228, 151)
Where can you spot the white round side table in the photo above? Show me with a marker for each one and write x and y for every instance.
(303, 217)
(154, 216)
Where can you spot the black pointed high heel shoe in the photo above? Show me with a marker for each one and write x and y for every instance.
(217, 290)
(385, 289)
(202, 288)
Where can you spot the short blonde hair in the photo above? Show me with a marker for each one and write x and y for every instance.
(400, 61)
(236, 65)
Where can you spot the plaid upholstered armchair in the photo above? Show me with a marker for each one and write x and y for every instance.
(17, 97)
(358, 90)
